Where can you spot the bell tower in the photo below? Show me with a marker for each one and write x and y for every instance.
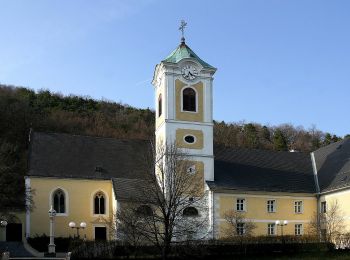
(183, 85)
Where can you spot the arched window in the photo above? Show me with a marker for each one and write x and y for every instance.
(160, 105)
(59, 203)
(190, 212)
(144, 210)
(189, 100)
(99, 203)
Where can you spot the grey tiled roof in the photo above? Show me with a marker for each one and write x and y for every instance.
(132, 189)
(333, 165)
(75, 156)
(262, 170)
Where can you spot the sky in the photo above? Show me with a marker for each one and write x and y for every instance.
(278, 61)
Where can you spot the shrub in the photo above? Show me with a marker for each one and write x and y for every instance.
(40, 243)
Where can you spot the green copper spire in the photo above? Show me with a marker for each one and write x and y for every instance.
(183, 51)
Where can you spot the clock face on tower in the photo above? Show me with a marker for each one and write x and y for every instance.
(189, 72)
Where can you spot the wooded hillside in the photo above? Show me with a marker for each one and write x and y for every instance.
(22, 109)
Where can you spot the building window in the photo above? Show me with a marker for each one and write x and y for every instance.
(190, 212)
(99, 204)
(160, 105)
(323, 207)
(189, 139)
(271, 229)
(59, 203)
(240, 204)
(298, 206)
(189, 100)
(145, 211)
(298, 230)
(240, 229)
(271, 206)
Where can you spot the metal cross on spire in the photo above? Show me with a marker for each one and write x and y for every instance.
(183, 24)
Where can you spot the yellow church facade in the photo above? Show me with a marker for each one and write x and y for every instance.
(87, 179)
(78, 207)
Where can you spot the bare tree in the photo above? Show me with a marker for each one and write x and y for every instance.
(330, 224)
(239, 227)
(177, 198)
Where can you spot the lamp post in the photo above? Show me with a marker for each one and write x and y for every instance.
(281, 224)
(72, 225)
(52, 246)
(3, 223)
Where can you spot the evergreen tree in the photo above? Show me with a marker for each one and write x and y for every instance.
(251, 136)
(279, 141)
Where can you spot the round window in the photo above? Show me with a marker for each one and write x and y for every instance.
(189, 139)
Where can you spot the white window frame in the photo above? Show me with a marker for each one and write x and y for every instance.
(100, 225)
(66, 201)
(241, 204)
(240, 229)
(323, 206)
(271, 229)
(271, 207)
(182, 94)
(92, 203)
(298, 209)
(194, 137)
(160, 108)
(298, 229)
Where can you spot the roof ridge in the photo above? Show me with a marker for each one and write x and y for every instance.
(257, 149)
(91, 136)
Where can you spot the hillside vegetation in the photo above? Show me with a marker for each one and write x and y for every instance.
(22, 109)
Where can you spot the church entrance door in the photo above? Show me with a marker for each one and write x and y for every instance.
(14, 232)
(100, 233)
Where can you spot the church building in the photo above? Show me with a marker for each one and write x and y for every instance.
(85, 179)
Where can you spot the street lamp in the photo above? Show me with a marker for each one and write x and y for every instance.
(282, 224)
(72, 225)
(3, 224)
(51, 247)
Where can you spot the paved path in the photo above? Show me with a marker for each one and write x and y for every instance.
(16, 249)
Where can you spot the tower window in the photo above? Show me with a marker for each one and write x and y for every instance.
(190, 212)
(99, 203)
(59, 204)
(323, 207)
(189, 139)
(189, 100)
(160, 105)
(144, 210)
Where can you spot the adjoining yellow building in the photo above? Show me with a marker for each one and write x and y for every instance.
(86, 179)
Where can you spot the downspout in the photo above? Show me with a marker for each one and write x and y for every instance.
(212, 214)
(28, 193)
(318, 195)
